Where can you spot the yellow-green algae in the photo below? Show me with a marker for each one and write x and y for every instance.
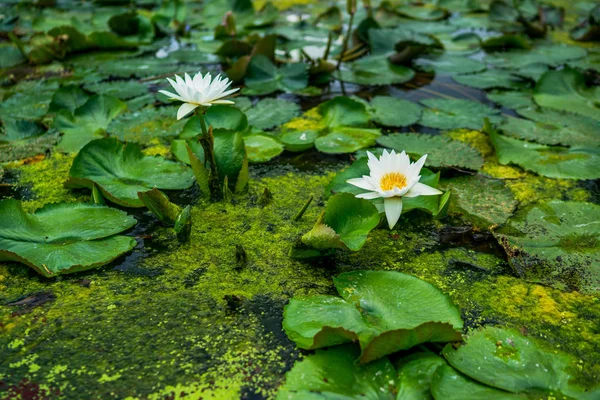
(188, 320)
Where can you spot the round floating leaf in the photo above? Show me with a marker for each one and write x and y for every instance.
(332, 374)
(565, 90)
(88, 122)
(375, 70)
(343, 111)
(548, 133)
(585, 126)
(144, 125)
(455, 114)
(556, 243)
(415, 373)
(31, 102)
(343, 140)
(550, 161)
(511, 99)
(270, 113)
(485, 201)
(441, 151)
(386, 111)
(69, 98)
(299, 140)
(345, 224)
(449, 384)
(392, 312)
(263, 77)
(449, 64)
(504, 359)
(120, 89)
(553, 55)
(63, 238)
(121, 171)
(262, 148)
(10, 56)
(492, 79)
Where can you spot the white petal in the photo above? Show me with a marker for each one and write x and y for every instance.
(369, 195)
(185, 109)
(172, 96)
(420, 189)
(223, 102)
(393, 209)
(416, 167)
(362, 183)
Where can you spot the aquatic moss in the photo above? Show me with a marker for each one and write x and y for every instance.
(45, 178)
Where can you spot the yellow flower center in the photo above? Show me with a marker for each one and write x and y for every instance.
(392, 180)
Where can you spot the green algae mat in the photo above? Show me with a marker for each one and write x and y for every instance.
(297, 199)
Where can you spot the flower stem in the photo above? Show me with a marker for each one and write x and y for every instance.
(207, 142)
(346, 40)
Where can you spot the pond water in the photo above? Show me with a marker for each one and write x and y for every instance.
(109, 289)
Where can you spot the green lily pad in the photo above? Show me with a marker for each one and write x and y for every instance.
(343, 111)
(262, 148)
(383, 310)
(10, 55)
(120, 89)
(485, 201)
(69, 98)
(384, 41)
(415, 374)
(344, 224)
(375, 70)
(332, 374)
(449, 64)
(121, 171)
(343, 140)
(271, 113)
(63, 238)
(144, 125)
(299, 140)
(455, 114)
(556, 243)
(504, 359)
(553, 55)
(550, 161)
(441, 151)
(88, 122)
(449, 384)
(584, 125)
(492, 79)
(548, 133)
(263, 77)
(30, 102)
(512, 99)
(384, 110)
(565, 90)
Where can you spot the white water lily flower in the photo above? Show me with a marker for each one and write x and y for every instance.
(393, 177)
(199, 91)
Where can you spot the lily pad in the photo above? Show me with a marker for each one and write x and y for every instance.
(512, 99)
(347, 140)
(383, 310)
(492, 79)
(550, 161)
(262, 148)
(553, 55)
(485, 201)
(415, 374)
(565, 90)
(345, 224)
(441, 150)
(556, 243)
(271, 113)
(504, 359)
(332, 374)
(63, 238)
(548, 133)
(145, 125)
(88, 122)
(121, 171)
(120, 89)
(220, 117)
(456, 113)
(69, 98)
(263, 77)
(375, 70)
(449, 64)
(384, 110)
(449, 384)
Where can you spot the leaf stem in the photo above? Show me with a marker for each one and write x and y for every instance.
(346, 40)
